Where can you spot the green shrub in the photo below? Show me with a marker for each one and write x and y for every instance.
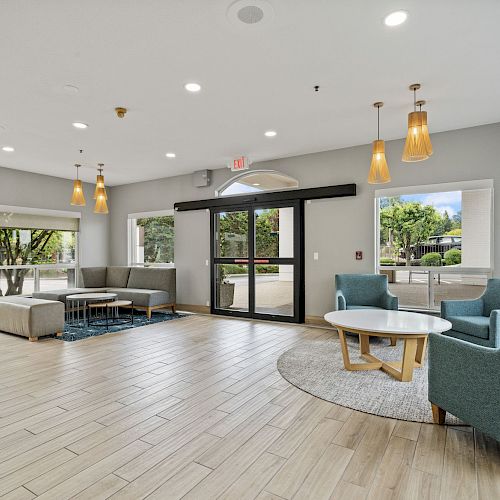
(234, 269)
(267, 269)
(384, 261)
(431, 259)
(453, 256)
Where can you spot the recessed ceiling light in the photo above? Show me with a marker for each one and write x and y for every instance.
(170, 155)
(255, 184)
(79, 125)
(192, 87)
(71, 89)
(270, 133)
(396, 18)
(8, 149)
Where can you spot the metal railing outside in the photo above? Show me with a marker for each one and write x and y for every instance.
(37, 270)
(474, 278)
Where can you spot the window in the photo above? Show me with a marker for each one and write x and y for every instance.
(257, 181)
(435, 242)
(151, 238)
(37, 252)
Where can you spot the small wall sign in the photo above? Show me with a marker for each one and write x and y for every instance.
(359, 255)
(240, 163)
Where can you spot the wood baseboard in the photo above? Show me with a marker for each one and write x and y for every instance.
(193, 308)
(317, 321)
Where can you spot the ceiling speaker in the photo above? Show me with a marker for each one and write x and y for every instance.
(250, 14)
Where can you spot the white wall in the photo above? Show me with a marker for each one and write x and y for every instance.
(334, 228)
(24, 189)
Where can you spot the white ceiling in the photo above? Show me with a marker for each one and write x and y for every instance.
(139, 54)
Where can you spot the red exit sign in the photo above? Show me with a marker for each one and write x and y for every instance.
(240, 163)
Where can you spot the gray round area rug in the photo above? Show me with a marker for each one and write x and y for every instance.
(317, 368)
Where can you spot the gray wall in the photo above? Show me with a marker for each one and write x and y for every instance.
(334, 228)
(24, 189)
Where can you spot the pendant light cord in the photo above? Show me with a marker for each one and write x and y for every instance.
(378, 123)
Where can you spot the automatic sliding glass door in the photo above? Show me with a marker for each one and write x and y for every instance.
(257, 262)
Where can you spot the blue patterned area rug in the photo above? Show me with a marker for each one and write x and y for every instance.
(72, 333)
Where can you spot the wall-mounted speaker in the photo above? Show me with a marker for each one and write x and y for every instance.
(201, 178)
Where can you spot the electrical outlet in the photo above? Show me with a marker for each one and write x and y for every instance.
(316, 256)
(207, 303)
(206, 262)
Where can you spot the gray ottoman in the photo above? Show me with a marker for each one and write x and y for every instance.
(31, 318)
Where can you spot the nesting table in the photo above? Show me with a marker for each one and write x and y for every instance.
(412, 328)
(79, 302)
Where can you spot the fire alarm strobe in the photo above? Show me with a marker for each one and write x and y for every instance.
(359, 255)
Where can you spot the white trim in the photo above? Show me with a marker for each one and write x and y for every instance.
(157, 213)
(41, 211)
(232, 180)
(435, 188)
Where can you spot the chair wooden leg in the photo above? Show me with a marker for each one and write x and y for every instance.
(393, 341)
(438, 414)
(33, 339)
(173, 308)
(59, 334)
(148, 312)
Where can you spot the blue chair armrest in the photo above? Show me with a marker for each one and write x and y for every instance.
(495, 326)
(340, 301)
(463, 379)
(389, 301)
(461, 308)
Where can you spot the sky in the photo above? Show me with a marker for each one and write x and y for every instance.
(450, 201)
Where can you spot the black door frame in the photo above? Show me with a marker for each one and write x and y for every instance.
(297, 260)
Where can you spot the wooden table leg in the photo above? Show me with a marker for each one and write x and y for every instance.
(345, 352)
(421, 346)
(410, 350)
(364, 344)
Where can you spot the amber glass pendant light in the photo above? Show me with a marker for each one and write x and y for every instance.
(78, 197)
(100, 196)
(379, 170)
(418, 146)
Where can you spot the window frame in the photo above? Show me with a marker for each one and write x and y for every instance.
(429, 189)
(131, 236)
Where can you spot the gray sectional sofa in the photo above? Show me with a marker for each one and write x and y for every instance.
(148, 288)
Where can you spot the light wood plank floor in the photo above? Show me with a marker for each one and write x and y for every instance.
(195, 408)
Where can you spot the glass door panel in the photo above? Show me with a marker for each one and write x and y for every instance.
(274, 232)
(232, 287)
(274, 289)
(231, 234)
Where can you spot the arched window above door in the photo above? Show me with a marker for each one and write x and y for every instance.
(257, 181)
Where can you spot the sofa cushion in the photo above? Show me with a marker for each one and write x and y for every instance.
(476, 326)
(152, 278)
(60, 295)
(142, 297)
(94, 277)
(117, 276)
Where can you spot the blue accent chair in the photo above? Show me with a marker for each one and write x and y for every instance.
(363, 291)
(463, 381)
(478, 320)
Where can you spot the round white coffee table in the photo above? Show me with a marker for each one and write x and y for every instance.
(412, 328)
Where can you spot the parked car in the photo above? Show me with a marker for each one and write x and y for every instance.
(439, 244)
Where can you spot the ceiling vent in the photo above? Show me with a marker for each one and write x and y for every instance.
(250, 14)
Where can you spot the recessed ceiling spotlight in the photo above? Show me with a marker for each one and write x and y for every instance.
(8, 149)
(79, 125)
(71, 89)
(192, 87)
(255, 184)
(170, 155)
(396, 18)
(271, 133)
